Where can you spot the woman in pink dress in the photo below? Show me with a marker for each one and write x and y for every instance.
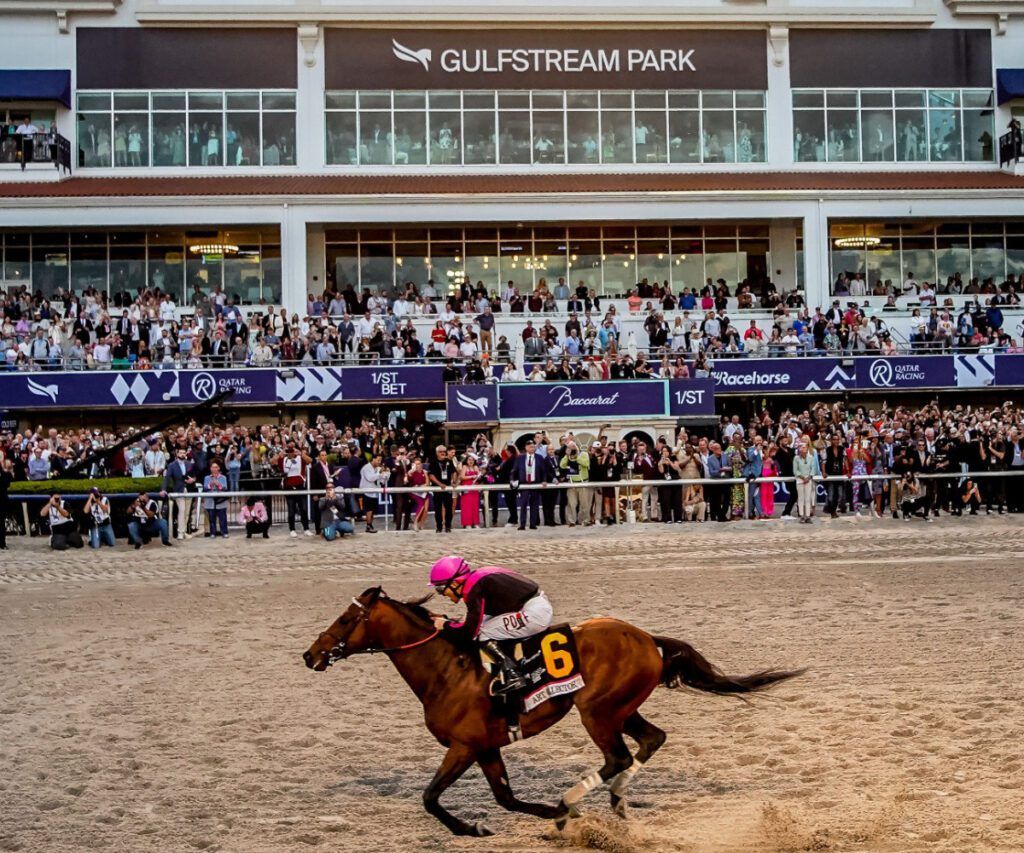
(469, 502)
(770, 468)
(420, 501)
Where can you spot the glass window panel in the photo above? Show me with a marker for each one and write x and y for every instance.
(479, 143)
(548, 137)
(279, 100)
(943, 98)
(876, 99)
(839, 98)
(445, 137)
(650, 136)
(478, 100)
(375, 100)
(445, 100)
(616, 137)
(514, 100)
(718, 137)
(583, 146)
(721, 260)
(848, 262)
(684, 136)
(341, 100)
(652, 231)
(343, 261)
(720, 231)
(877, 133)
(653, 261)
(94, 101)
(514, 141)
(128, 270)
(94, 149)
(17, 264)
(613, 100)
(977, 98)
(987, 259)
(584, 265)
(911, 136)
(548, 100)
(884, 262)
(202, 276)
(687, 267)
(809, 136)
(482, 265)
(131, 101)
(649, 100)
(377, 265)
(581, 100)
(131, 139)
(169, 139)
(684, 100)
(716, 100)
(808, 99)
(410, 100)
(270, 256)
(978, 132)
(88, 268)
(919, 258)
(750, 100)
(843, 141)
(242, 139)
(944, 135)
(986, 227)
(374, 138)
(243, 100)
(205, 100)
(49, 269)
(410, 138)
(341, 139)
(619, 268)
(242, 275)
(953, 256)
(750, 138)
(169, 101)
(550, 260)
(1014, 256)
(205, 136)
(278, 139)
(909, 97)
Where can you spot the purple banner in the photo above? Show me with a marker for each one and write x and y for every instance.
(691, 397)
(759, 375)
(472, 403)
(926, 371)
(538, 400)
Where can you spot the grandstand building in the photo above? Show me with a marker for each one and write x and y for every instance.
(271, 147)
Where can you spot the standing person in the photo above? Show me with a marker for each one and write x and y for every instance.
(753, 465)
(833, 470)
(805, 469)
(504, 474)
(645, 467)
(254, 517)
(609, 470)
(576, 465)
(858, 470)
(670, 495)
(371, 475)
(420, 500)
(292, 465)
(146, 521)
(63, 529)
(6, 478)
(737, 459)
(876, 463)
(442, 474)
(718, 468)
(102, 531)
(334, 521)
(784, 455)
(531, 469)
(770, 468)
(179, 477)
(398, 478)
(469, 502)
(320, 474)
(216, 507)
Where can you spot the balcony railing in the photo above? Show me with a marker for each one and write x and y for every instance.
(24, 149)
(1011, 147)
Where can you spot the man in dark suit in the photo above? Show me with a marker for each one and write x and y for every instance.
(179, 477)
(320, 475)
(219, 350)
(530, 469)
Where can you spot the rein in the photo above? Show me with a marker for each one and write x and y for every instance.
(338, 651)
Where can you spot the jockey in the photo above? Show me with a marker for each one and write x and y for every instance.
(500, 605)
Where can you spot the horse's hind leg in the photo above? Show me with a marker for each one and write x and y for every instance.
(493, 766)
(616, 759)
(456, 761)
(650, 738)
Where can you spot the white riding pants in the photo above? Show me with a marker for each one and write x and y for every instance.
(532, 619)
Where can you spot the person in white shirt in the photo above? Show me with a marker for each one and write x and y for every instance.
(401, 307)
(446, 316)
(926, 295)
(370, 477)
(102, 531)
(791, 343)
(428, 290)
(364, 326)
(155, 461)
(910, 285)
(167, 309)
(101, 354)
(858, 287)
(377, 304)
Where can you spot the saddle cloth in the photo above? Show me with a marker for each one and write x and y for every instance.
(550, 663)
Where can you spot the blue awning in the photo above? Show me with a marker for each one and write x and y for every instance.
(36, 85)
(1009, 84)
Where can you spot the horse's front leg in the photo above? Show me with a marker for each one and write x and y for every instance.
(456, 761)
(493, 766)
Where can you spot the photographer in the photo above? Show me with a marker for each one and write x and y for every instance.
(102, 531)
(609, 466)
(146, 522)
(63, 528)
(575, 465)
(334, 522)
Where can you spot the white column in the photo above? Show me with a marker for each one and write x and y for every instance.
(309, 100)
(779, 99)
(816, 255)
(293, 260)
(782, 239)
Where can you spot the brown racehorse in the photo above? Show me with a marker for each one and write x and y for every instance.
(621, 666)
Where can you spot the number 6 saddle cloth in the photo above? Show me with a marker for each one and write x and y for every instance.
(548, 661)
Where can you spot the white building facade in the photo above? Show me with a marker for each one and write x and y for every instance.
(272, 149)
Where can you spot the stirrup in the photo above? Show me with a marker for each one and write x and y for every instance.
(505, 688)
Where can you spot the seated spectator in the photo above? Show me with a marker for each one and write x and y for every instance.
(146, 522)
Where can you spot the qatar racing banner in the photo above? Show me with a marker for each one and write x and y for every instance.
(925, 371)
(471, 404)
(109, 388)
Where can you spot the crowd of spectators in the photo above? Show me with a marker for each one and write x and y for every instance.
(868, 463)
(145, 330)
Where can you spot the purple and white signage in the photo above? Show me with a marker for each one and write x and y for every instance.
(766, 375)
(616, 399)
(691, 397)
(472, 403)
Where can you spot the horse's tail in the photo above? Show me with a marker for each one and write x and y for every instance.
(684, 665)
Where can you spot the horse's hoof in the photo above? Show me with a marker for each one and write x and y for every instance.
(481, 831)
(561, 822)
(619, 808)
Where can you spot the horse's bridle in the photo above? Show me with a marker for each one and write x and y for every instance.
(337, 651)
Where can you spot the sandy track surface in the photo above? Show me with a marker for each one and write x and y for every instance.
(156, 700)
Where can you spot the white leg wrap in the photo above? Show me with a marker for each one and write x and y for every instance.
(621, 782)
(578, 791)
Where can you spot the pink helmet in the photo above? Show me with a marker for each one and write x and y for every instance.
(448, 569)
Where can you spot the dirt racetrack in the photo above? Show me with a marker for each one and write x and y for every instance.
(156, 700)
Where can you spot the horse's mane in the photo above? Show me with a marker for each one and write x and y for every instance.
(415, 606)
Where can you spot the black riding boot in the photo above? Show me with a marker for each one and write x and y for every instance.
(513, 679)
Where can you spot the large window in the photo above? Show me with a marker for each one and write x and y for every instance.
(186, 129)
(446, 128)
(882, 255)
(609, 259)
(246, 263)
(893, 125)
